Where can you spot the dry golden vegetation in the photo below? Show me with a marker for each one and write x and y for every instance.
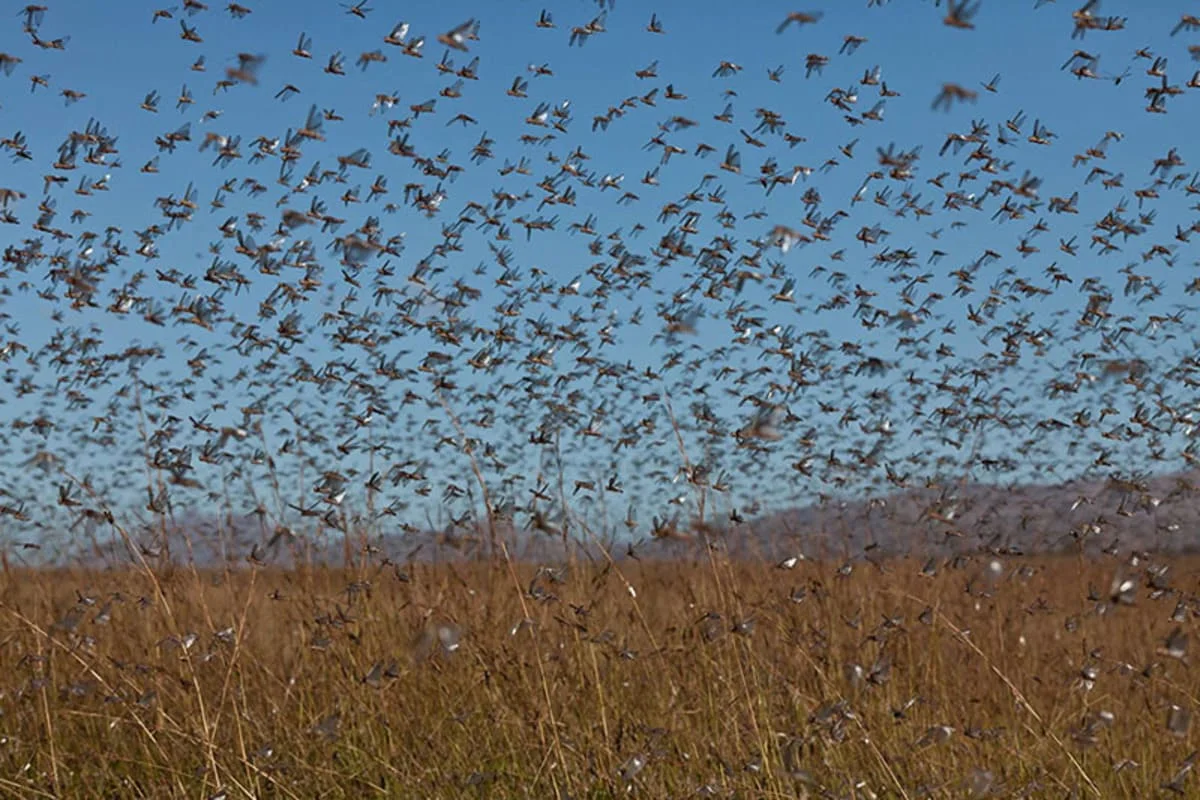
(990, 678)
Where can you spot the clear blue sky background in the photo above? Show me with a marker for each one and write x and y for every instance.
(116, 56)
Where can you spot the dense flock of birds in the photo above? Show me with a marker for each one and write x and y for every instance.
(377, 281)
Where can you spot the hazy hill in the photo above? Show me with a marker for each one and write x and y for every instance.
(1161, 514)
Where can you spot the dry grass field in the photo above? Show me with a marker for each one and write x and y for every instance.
(702, 678)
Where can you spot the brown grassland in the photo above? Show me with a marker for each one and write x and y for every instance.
(689, 678)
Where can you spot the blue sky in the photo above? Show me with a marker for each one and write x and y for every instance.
(116, 55)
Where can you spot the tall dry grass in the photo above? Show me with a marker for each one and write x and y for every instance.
(668, 679)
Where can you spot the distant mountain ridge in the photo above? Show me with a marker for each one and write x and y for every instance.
(1160, 514)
